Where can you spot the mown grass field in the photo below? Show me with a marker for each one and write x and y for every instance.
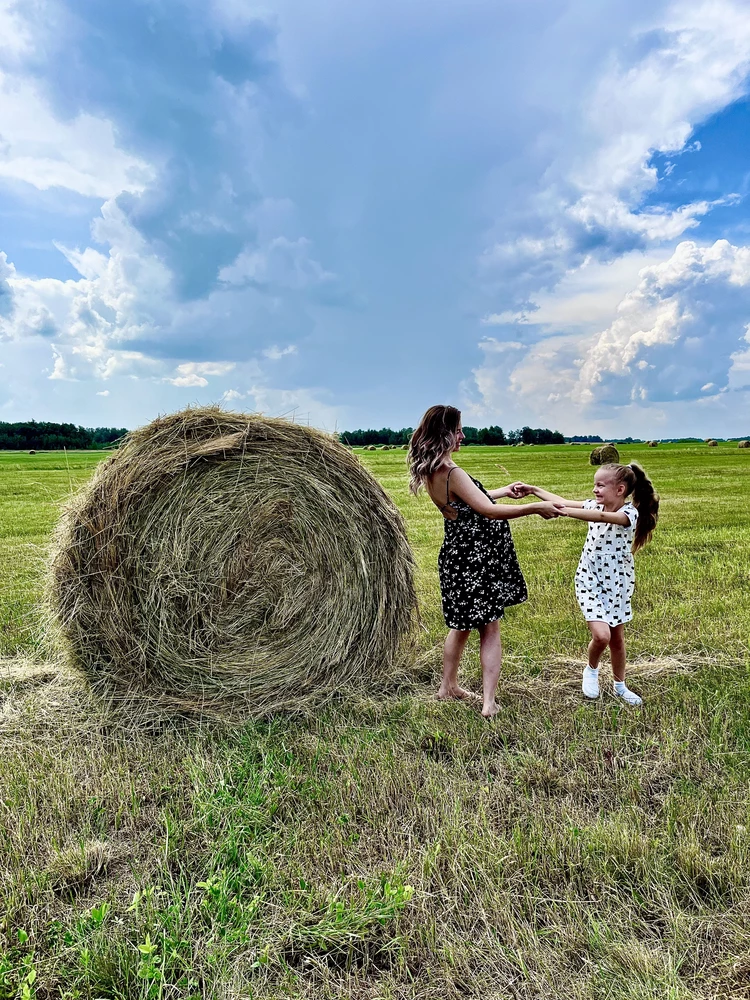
(399, 847)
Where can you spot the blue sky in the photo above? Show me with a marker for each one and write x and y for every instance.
(538, 212)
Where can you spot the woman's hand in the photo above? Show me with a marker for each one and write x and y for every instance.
(512, 490)
(521, 490)
(547, 509)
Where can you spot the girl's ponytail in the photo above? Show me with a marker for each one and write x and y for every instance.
(645, 499)
(646, 502)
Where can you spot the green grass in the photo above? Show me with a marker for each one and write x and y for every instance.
(403, 847)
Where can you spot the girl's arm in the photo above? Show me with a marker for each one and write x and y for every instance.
(463, 487)
(524, 489)
(591, 514)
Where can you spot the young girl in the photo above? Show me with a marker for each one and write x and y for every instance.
(479, 571)
(605, 576)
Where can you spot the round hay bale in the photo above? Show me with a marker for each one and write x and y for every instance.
(712, 444)
(231, 564)
(370, 447)
(604, 454)
(404, 447)
(32, 452)
(653, 444)
(744, 444)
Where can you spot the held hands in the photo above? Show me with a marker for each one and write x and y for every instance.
(519, 490)
(547, 509)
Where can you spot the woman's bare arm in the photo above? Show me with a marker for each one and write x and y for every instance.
(591, 514)
(506, 491)
(463, 487)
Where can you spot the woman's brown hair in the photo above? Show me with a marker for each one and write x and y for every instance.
(429, 443)
(645, 499)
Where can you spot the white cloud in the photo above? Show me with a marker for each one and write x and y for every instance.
(275, 353)
(590, 199)
(686, 318)
(81, 155)
(680, 334)
(104, 392)
(282, 263)
(14, 33)
(194, 372)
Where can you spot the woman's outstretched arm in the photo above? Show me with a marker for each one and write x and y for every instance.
(463, 487)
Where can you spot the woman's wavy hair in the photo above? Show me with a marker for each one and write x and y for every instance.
(435, 436)
(645, 499)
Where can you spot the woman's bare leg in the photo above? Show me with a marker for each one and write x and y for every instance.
(490, 656)
(454, 645)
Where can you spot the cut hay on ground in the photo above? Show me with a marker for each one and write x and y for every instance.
(604, 454)
(231, 564)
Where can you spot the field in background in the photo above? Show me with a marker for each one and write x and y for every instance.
(403, 848)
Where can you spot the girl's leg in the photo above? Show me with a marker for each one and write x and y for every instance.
(452, 650)
(600, 637)
(490, 656)
(617, 651)
(617, 654)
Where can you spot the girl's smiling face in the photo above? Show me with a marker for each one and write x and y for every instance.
(459, 438)
(607, 490)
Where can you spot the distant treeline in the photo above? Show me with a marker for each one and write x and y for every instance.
(473, 435)
(38, 436)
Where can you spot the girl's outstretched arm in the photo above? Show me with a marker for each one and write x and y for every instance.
(524, 489)
(463, 487)
(591, 514)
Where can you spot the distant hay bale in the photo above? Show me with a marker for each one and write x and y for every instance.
(32, 452)
(653, 444)
(370, 447)
(231, 564)
(404, 447)
(604, 454)
(744, 444)
(711, 443)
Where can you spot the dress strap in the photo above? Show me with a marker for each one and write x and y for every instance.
(448, 487)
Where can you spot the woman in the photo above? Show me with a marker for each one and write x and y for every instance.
(479, 571)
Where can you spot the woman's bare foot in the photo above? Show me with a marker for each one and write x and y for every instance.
(491, 710)
(459, 693)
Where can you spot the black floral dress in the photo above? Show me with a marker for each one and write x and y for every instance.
(478, 567)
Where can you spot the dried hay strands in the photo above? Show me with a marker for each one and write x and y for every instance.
(231, 564)
(604, 454)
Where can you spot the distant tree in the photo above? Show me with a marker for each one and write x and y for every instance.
(491, 435)
(40, 435)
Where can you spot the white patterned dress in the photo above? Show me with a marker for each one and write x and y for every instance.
(605, 577)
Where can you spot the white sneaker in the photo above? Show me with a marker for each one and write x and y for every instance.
(590, 685)
(629, 697)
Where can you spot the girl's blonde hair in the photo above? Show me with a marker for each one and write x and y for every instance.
(645, 499)
(435, 436)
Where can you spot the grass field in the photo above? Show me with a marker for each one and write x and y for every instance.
(401, 847)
